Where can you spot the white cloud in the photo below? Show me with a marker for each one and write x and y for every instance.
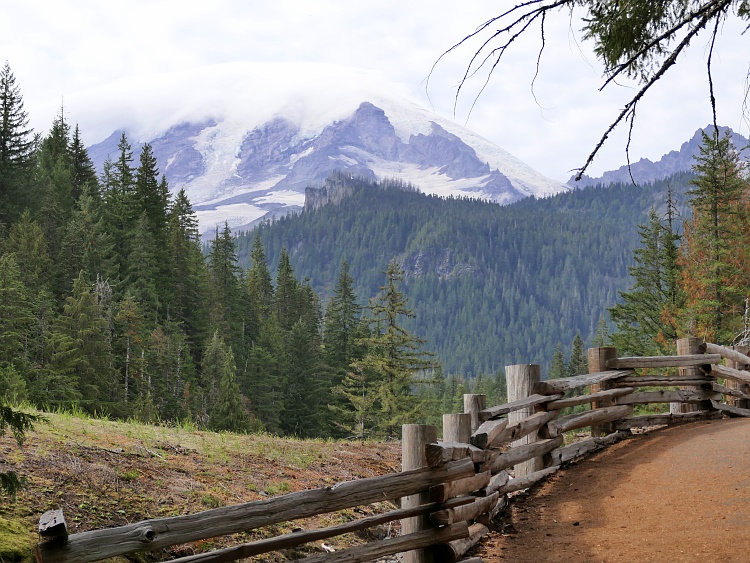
(74, 48)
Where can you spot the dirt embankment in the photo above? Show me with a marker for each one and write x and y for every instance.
(676, 494)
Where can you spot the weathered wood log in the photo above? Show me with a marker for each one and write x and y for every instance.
(663, 381)
(467, 512)
(587, 418)
(693, 348)
(729, 373)
(729, 391)
(665, 419)
(669, 396)
(295, 539)
(390, 546)
(497, 482)
(520, 380)
(584, 399)
(452, 551)
(467, 485)
(52, 524)
(740, 351)
(724, 352)
(457, 428)
(163, 532)
(578, 449)
(414, 441)
(525, 482)
(663, 361)
(523, 427)
(473, 405)
(597, 363)
(442, 452)
(554, 386)
(531, 401)
(731, 410)
(488, 431)
(488, 517)
(518, 454)
(597, 360)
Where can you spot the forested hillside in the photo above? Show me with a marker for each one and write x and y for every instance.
(490, 285)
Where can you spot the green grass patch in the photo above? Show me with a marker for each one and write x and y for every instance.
(16, 541)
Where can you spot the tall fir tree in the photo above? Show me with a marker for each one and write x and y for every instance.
(188, 301)
(16, 150)
(83, 350)
(394, 359)
(715, 251)
(644, 316)
(558, 367)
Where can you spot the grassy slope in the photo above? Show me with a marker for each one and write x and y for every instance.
(104, 473)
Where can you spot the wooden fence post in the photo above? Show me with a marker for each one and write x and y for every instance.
(521, 380)
(457, 428)
(598, 358)
(687, 346)
(472, 405)
(744, 387)
(414, 439)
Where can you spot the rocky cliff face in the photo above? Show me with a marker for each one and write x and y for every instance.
(238, 174)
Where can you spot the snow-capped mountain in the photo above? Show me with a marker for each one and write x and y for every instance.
(239, 165)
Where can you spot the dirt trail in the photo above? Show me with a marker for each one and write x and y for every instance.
(676, 494)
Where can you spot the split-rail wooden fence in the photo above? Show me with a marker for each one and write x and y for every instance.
(450, 490)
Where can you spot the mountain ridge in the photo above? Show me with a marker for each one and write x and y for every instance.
(238, 167)
(675, 161)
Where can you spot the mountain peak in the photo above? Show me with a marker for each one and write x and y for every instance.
(238, 167)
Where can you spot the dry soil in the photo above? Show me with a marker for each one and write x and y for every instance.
(675, 494)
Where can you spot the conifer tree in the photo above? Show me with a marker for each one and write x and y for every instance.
(342, 320)
(141, 279)
(578, 363)
(121, 209)
(306, 389)
(15, 313)
(265, 379)
(16, 149)
(153, 197)
(83, 174)
(224, 271)
(715, 251)
(286, 295)
(645, 326)
(558, 368)
(171, 371)
(224, 398)
(394, 358)
(27, 243)
(83, 349)
(189, 275)
(259, 282)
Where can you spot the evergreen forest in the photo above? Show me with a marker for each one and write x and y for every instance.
(490, 285)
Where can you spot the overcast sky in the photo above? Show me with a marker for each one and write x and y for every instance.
(58, 49)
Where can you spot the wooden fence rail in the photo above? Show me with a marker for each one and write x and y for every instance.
(451, 490)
